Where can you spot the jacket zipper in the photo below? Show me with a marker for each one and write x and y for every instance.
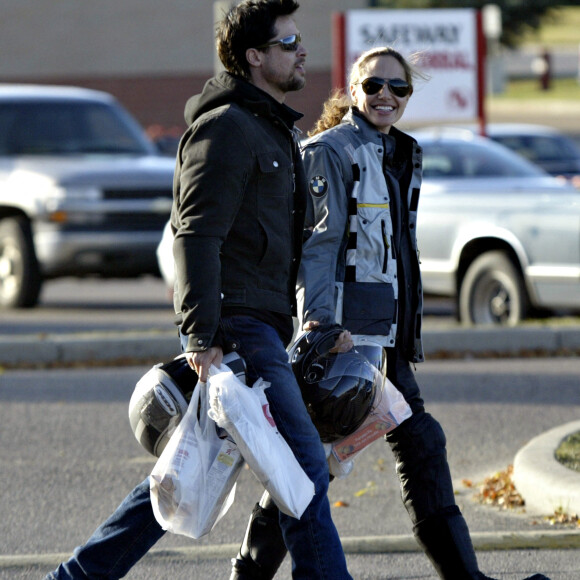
(386, 246)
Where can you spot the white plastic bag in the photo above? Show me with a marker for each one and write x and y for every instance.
(244, 413)
(389, 410)
(193, 482)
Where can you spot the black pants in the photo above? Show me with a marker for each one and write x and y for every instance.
(419, 447)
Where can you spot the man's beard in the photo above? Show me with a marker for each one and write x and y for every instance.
(294, 83)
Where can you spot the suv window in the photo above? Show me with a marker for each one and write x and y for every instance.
(462, 159)
(62, 128)
(538, 148)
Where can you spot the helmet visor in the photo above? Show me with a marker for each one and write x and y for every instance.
(343, 397)
(361, 361)
(351, 364)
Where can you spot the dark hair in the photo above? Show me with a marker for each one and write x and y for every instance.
(249, 24)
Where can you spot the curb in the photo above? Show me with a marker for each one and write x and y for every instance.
(502, 342)
(133, 347)
(119, 348)
(545, 484)
(482, 541)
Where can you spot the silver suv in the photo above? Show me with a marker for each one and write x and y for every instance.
(495, 232)
(82, 190)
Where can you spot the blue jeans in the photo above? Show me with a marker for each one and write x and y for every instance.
(313, 542)
(118, 543)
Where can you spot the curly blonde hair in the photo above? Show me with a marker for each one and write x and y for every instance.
(339, 102)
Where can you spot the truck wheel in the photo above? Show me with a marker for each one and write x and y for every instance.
(20, 279)
(492, 292)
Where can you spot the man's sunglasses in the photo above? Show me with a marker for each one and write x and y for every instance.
(288, 43)
(398, 87)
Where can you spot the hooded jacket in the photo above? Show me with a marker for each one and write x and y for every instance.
(360, 266)
(238, 209)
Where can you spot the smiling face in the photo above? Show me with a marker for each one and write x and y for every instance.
(382, 109)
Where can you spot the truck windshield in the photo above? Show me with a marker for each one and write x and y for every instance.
(66, 127)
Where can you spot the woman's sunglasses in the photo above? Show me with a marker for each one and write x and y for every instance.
(288, 43)
(398, 87)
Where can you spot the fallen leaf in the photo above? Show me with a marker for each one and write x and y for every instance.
(371, 486)
(341, 503)
(499, 490)
(562, 518)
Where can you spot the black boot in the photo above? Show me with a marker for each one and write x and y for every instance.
(446, 541)
(263, 549)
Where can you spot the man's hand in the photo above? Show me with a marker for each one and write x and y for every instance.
(201, 361)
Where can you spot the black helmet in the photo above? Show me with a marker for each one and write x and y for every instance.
(338, 387)
(161, 397)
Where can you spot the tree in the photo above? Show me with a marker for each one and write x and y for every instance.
(518, 16)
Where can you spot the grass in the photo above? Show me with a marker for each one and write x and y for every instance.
(568, 452)
(562, 27)
(562, 89)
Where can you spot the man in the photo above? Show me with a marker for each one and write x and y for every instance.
(237, 218)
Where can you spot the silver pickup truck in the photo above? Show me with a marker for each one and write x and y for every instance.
(495, 232)
(82, 190)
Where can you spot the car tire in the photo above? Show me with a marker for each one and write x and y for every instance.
(20, 278)
(492, 292)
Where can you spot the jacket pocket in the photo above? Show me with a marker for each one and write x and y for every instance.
(368, 307)
(275, 177)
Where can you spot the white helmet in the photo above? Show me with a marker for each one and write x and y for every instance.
(161, 397)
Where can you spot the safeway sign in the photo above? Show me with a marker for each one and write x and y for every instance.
(448, 44)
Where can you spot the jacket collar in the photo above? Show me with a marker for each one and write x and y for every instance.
(370, 132)
(225, 88)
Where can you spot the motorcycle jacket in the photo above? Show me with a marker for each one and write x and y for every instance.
(360, 265)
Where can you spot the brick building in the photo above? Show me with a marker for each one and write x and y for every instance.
(151, 55)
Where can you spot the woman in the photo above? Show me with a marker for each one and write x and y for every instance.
(360, 269)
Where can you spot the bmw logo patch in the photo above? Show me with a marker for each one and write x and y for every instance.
(318, 186)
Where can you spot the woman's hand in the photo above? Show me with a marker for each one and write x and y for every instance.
(343, 343)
